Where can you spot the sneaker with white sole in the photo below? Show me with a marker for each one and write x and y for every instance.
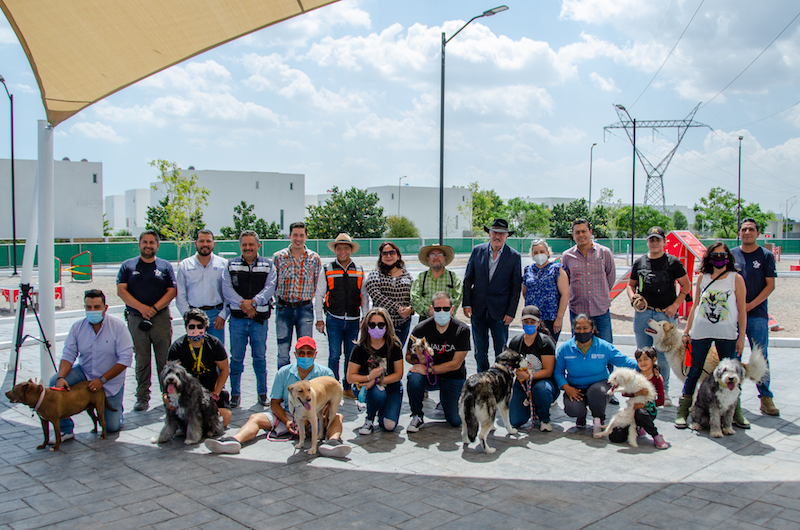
(367, 428)
(546, 426)
(416, 423)
(659, 441)
(667, 402)
(334, 448)
(226, 445)
(597, 426)
(640, 432)
(64, 437)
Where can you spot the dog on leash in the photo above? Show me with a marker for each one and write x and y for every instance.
(420, 349)
(53, 405)
(629, 382)
(191, 407)
(308, 399)
(718, 394)
(483, 394)
(668, 339)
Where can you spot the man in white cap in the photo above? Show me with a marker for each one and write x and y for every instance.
(436, 278)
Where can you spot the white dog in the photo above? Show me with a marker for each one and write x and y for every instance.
(668, 339)
(631, 382)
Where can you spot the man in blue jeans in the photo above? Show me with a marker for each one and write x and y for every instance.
(757, 266)
(449, 340)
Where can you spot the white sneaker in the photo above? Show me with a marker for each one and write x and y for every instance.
(367, 428)
(225, 445)
(546, 426)
(667, 402)
(597, 426)
(416, 423)
(334, 448)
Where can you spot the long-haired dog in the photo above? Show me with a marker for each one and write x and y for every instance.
(194, 410)
(668, 339)
(420, 349)
(308, 400)
(484, 393)
(718, 394)
(373, 361)
(629, 382)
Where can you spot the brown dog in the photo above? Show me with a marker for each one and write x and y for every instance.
(308, 400)
(57, 405)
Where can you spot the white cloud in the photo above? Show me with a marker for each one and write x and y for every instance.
(517, 101)
(209, 76)
(566, 135)
(7, 36)
(600, 11)
(97, 131)
(601, 83)
(407, 133)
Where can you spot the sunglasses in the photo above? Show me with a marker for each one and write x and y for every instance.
(437, 309)
(380, 325)
(388, 252)
(719, 255)
(195, 326)
(436, 254)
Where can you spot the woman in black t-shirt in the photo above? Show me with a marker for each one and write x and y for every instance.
(378, 345)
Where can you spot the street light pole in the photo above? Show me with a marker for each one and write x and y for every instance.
(445, 40)
(590, 175)
(739, 196)
(13, 203)
(633, 179)
(398, 193)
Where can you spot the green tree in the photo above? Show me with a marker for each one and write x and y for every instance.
(355, 212)
(401, 227)
(107, 231)
(563, 214)
(245, 219)
(716, 213)
(679, 221)
(646, 217)
(527, 218)
(484, 205)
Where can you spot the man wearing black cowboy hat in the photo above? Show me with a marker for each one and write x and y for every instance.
(492, 285)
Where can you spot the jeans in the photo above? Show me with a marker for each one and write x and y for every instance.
(601, 322)
(386, 404)
(342, 335)
(758, 335)
(402, 332)
(644, 340)
(544, 393)
(595, 396)
(726, 348)
(113, 417)
(481, 325)
(549, 325)
(643, 419)
(243, 330)
(449, 392)
(159, 338)
(288, 319)
(216, 333)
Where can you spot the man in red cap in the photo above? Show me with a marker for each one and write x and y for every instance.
(279, 419)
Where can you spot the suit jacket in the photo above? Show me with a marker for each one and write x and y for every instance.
(500, 295)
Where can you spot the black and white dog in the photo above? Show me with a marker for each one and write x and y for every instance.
(194, 410)
(719, 393)
(483, 394)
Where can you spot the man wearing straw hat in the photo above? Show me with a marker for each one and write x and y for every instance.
(436, 278)
(342, 292)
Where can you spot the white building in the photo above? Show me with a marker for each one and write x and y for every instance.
(137, 201)
(115, 211)
(78, 190)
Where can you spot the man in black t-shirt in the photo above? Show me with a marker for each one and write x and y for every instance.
(203, 356)
(449, 339)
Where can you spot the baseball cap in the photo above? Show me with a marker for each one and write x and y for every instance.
(656, 231)
(305, 341)
(531, 311)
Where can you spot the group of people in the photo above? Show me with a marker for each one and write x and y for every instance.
(335, 299)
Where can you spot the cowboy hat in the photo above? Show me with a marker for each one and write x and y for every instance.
(449, 254)
(343, 238)
(499, 225)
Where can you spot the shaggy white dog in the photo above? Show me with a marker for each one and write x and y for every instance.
(631, 382)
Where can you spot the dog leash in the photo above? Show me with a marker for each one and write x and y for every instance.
(428, 362)
(528, 383)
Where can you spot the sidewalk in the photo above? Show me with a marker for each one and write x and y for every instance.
(563, 479)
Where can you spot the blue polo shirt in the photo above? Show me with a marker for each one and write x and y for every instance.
(288, 375)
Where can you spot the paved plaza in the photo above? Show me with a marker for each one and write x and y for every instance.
(563, 479)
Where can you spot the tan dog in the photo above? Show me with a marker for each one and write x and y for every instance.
(668, 339)
(56, 405)
(308, 400)
(419, 348)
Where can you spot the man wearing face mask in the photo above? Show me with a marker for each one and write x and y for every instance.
(279, 419)
(449, 339)
(97, 349)
(203, 356)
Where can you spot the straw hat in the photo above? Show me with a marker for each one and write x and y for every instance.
(449, 254)
(343, 238)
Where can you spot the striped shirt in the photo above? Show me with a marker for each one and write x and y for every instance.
(297, 278)
(591, 278)
(390, 293)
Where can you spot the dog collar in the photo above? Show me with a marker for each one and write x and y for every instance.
(39, 403)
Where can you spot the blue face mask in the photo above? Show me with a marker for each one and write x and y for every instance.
(305, 362)
(529, 329)
(95, 317)
(441, 317)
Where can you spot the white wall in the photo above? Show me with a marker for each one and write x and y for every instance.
(421, 205)
(78, 192)
(136, 203)
(115, 211)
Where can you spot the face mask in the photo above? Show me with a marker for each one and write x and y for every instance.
(441, 317)
(719, 262)
(305, 362)
(583, 338)
(529, 329)
(95, 317)
(376, 333)
(540, 259)
(195, 334)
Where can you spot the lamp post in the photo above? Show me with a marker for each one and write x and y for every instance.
(398, 193)
(786, 215)
(633, 178)
(739, 196)
(445, 40)
(590, 176)
(13, 205)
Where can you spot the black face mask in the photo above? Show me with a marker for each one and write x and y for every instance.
(583, 338)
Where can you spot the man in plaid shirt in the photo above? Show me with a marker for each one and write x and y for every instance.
(435, 279)
(592, 273)
(298, 269)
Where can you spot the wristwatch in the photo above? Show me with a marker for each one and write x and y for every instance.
(103, 379)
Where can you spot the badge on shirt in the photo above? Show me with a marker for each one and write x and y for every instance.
(756, 264)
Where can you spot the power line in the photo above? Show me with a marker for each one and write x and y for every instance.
(768, 117)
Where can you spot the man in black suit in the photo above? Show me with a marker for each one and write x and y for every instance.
(492, 286)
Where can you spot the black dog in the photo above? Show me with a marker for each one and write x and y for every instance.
(191, 407)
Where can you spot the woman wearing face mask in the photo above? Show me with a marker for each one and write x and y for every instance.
(534, 388)
(581, 371)
(545, 285)
(384, 398)
(718, 316)
(205, 358)
(389, 287)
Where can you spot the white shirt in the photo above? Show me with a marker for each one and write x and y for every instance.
(200, 286)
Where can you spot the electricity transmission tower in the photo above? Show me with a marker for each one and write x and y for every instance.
(654, 192)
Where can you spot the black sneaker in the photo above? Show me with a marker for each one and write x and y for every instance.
(262, 400)
(140, 406)
(614, 400)
(580, 422)
(225, 445)
(235, 401)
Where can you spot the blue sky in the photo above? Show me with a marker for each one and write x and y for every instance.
(349, 95)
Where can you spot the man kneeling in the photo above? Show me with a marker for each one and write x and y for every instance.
(279, 418)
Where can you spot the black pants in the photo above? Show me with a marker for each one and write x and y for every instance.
(643, 419)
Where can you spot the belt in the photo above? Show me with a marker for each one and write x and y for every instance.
(301, 303)
(208, 307)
